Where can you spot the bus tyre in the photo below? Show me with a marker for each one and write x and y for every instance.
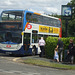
(34, 50)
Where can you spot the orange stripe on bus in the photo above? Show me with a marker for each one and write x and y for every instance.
(37, 13)
(26, 25)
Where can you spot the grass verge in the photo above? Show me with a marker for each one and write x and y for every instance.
(48, 64)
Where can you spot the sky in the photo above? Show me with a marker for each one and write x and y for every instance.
(39, 6)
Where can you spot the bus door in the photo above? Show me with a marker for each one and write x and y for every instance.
(26, 41)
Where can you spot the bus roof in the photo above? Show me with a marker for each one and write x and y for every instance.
(12, 10)
(21, 11)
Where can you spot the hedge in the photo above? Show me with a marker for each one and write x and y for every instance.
(51, 43)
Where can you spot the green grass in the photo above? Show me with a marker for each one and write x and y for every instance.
(48, 64)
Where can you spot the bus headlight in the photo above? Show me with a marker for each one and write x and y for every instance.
(18, 46)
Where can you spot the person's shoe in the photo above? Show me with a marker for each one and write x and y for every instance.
(71, 62)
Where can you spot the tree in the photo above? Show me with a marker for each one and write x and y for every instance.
(71, 23)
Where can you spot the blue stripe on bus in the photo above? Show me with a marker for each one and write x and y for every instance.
(8, 42)
(24, 21)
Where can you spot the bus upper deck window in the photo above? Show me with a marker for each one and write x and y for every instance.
(28, 17)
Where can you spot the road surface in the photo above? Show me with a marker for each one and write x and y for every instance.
(9, 67)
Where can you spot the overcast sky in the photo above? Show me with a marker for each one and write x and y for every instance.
(39, 6)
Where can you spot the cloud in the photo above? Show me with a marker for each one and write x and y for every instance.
(51, 9)
(41, 6)
(7, 2)
(40, 11)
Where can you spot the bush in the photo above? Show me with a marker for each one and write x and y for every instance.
(51, 43)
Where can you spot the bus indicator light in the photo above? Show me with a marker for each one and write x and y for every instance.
(29, 26)
(8, 46)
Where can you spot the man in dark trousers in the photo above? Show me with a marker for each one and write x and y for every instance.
(71, 53)
(60, 48)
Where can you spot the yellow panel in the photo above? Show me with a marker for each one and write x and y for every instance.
(56, 30)
(50, 29)
(46, 29)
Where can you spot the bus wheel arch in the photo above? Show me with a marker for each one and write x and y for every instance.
(34, 50)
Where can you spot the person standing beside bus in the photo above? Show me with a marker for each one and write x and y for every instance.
(42, 46)
(60, 48)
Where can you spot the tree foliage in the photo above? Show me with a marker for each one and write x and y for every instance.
(71, 23)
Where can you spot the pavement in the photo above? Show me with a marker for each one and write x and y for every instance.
(33, 57)
(46, 59)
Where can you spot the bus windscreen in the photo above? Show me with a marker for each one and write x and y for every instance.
(14, 37)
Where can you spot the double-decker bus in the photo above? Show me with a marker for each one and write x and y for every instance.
(20, 31)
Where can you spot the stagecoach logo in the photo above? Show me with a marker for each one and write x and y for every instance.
(8, 46)
(29, 26)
